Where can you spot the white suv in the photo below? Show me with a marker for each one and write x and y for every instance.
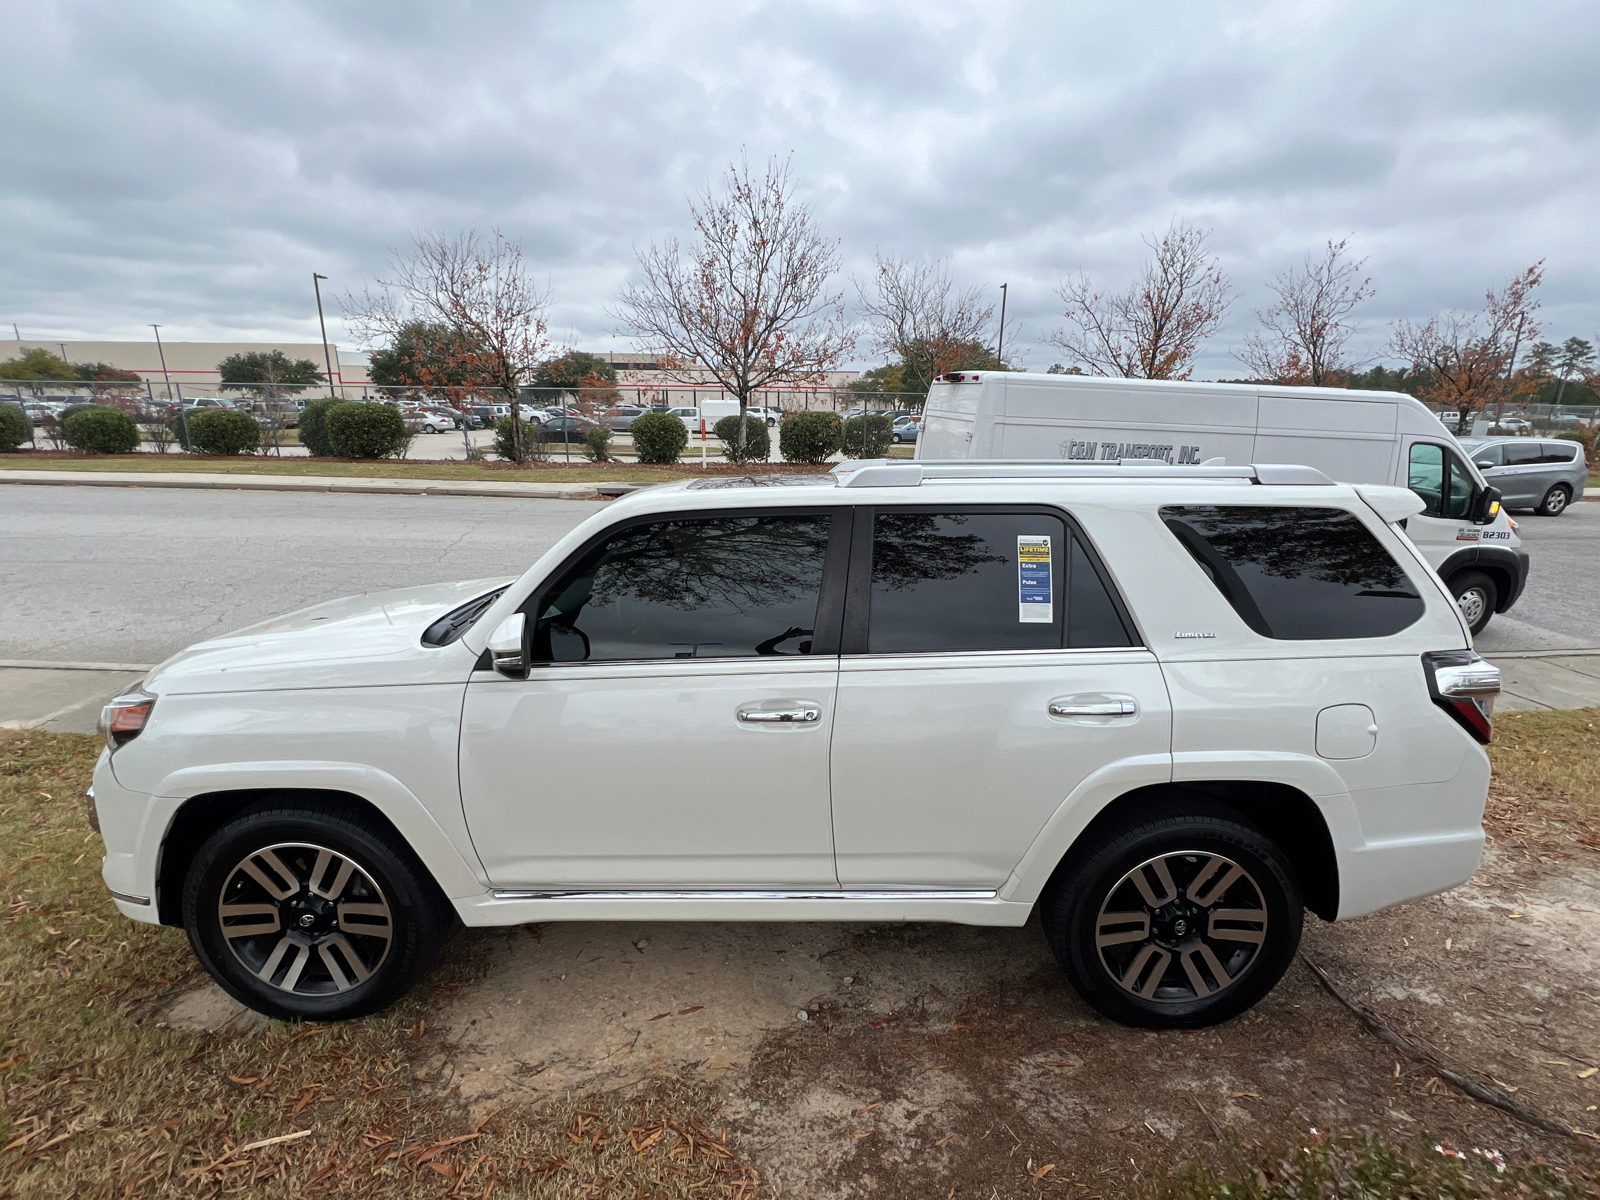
(1169, 707)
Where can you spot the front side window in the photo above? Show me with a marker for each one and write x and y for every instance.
(976, 581)
(1298, 573)
(1441, 480)
(721, 587)
(1486, 457)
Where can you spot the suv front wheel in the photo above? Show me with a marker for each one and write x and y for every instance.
(309, 911)
(1176, 917)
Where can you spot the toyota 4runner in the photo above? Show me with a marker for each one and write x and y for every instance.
(1170, 708)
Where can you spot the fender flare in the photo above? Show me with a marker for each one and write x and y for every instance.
(1313, 777)
(1500, 559)
(456, 874)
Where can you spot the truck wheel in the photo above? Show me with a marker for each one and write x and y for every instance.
(1476, 597)
(1174, 918)
(306, 911)
(1555, 501)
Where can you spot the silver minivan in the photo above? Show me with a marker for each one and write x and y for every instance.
(1545, 476)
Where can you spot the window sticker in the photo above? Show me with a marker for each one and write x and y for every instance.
(1034, 601)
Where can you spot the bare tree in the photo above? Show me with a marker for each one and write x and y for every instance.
(1468, 358)
(746, 302)
(1154, 329)
(1304, 334)
(920, 318)
(477, 287)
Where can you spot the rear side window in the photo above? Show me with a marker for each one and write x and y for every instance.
(1298, 573)
(1558, 452)
(975, 581)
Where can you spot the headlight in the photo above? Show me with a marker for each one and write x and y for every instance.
(124, 718)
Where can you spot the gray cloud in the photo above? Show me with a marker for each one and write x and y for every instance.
(193, 164)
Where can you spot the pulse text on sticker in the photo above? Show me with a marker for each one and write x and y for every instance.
(1034, 600)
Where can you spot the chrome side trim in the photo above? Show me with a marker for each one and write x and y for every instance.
(127, 899)
(588, 895)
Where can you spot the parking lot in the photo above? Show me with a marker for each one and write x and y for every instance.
(938, 1057)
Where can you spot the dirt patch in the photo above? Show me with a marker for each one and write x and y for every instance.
(934, 1057)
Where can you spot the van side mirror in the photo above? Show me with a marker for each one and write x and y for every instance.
(508, 647)
(1486, 506)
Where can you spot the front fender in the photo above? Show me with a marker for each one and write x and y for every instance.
(454, 865)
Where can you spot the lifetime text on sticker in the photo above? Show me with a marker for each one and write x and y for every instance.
(1034, 601)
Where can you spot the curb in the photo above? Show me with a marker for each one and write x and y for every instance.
(324, 483)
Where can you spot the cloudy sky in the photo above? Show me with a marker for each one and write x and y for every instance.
(193, 163)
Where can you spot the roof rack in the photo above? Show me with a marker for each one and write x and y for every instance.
(882, 472)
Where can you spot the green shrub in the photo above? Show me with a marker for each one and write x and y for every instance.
(314, 425)
(100, 429)
(224, 431)
(810, 437)
(597, 444)
(506, 448)
(757, 441)
(366, 431)
(659, 437)
(868, 436)
(15, 428)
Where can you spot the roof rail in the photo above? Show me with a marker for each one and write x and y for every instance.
(882, 472)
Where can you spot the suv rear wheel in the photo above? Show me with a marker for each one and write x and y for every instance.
(1555, 501)
(308, 911)
(1476, 596)
(1175, 917)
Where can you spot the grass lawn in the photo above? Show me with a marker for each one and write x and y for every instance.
(97, 1099)
(388, 468)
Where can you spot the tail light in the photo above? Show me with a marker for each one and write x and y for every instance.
(124, 718)
(1465, 686)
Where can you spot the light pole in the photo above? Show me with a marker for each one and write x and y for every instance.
(327, 359)
(183, 417)
(1000, 351)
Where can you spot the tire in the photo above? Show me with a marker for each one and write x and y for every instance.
(1476, 596)
(429, 429)
(1164, 973)
(358, 943)
(895, 438)
(1555, 501)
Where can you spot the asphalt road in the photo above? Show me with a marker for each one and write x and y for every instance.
(129, 575)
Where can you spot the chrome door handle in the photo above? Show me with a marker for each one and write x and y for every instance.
(1103, 708)
(801, 714)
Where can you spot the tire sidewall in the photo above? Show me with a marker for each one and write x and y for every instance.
(415, 915)
(1078, 910)
(1491, 596)
(1561, 497)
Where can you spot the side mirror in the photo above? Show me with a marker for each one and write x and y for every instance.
(508, 648)
(1486, 506)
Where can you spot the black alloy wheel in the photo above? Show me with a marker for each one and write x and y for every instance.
(1177, 917)
(304, 910)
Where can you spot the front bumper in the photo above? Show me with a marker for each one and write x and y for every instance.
(128, 870)
(1519, 582)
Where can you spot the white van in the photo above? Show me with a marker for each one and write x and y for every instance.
(1352, 436)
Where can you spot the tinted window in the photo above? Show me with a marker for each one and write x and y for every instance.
(1441, 480)
(1298, 573)
(715, 588)
(1558, 452)
(1520, 454)
(984, 581)
(1489, 456)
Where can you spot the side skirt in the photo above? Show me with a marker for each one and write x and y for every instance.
(522, 907)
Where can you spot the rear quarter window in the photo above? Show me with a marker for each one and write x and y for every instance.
(1298, 574)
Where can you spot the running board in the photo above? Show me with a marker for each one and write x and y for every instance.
(515, 906)
(708, 895)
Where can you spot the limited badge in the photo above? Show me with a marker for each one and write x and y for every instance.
(1034, 599)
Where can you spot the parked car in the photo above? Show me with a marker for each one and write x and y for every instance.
(1532, 473)
(565, 429)
(437, 420)
(1511, 426)
(208, 402)
(1131, 699)
(903, 430)
(621, 418)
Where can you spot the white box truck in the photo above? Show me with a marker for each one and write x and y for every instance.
(1351, 436)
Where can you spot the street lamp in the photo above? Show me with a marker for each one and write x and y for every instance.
(1000, 350)
(327, 359)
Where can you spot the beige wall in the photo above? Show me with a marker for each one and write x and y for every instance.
(187, 362)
